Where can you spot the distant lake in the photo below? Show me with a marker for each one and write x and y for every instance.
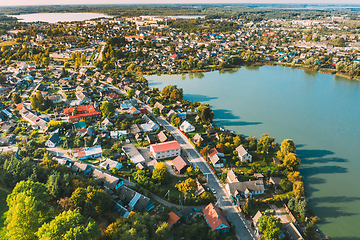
(58, 17)
(320, 112)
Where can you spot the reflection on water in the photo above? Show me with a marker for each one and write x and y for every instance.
(312, 109)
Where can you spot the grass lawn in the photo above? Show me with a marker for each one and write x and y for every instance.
(3, 207)
(7, 43)
(254, 210)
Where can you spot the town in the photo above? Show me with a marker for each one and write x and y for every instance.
(81, 128)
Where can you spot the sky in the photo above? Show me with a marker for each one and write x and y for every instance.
(64, 2)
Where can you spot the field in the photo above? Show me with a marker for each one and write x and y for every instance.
(3, 207)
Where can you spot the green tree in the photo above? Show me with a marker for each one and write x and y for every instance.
(160, 173)
(299, 189)
(34, 102)
(291, 162)
(27, 210)
(187, 186)
(91, 201)
(156, 111)
(270, 226)
(69, 225)
(16, 98)
(131, 93)
(163, 231)
(285, 185)
(2, 78)
(107, 109)
(142, 177)
(265, 143)
(287, 146)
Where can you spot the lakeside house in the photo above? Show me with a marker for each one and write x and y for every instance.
(243, 154)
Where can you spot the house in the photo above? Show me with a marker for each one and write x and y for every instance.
(109, 181)
(88, 153)
(165, 150)
(275, 181)
(243, 154)
(106, 123)
(149, 126)
(231, 177)
(9, 126)
(174, 217)
(80, 125)
(134, 112)
(293, 232)
(259, 176)
(170, 114)
(276, 161)
(245, 189)
(255, 221)
(216, 219)
(87, 112)
(174, 57)
(162, 108)
(151, 138)
(187, 127)
(118, 134)
(135, 200)
(53, 141)
(7, 140)
(217, 157)
(109, 164)
(181, 164)
(80, 167)
(198, 139)
(162, 136)
(131, 151)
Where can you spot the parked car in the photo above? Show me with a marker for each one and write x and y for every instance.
(213, 191)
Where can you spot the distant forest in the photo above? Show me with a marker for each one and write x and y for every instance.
(253, 12)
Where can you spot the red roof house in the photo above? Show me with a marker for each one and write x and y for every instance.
(215, 218)
(165, 150)
(181, 164)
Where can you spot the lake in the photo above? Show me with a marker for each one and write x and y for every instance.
(58, 17)
(318, 111)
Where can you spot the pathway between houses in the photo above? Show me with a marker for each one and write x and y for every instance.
(281, 213)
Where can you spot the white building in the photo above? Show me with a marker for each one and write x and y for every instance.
(165, 150)
(187, 127)
(243, 154)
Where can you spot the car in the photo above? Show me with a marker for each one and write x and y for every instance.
(213, 191)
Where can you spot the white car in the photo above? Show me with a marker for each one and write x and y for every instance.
(213, 191)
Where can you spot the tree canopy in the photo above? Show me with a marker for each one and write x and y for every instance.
(69, 225)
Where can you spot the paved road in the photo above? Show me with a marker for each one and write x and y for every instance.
(242, 229)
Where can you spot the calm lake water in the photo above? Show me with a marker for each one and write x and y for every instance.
(319, 112)
(58, 17)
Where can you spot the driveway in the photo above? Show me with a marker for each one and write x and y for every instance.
(149, 160)
(281, 213)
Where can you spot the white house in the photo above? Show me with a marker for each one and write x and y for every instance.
(118, 134)
(108, 164)
(165, 149)
(243, 154)
(187, 127)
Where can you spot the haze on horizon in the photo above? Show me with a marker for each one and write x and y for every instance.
(86, 2)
